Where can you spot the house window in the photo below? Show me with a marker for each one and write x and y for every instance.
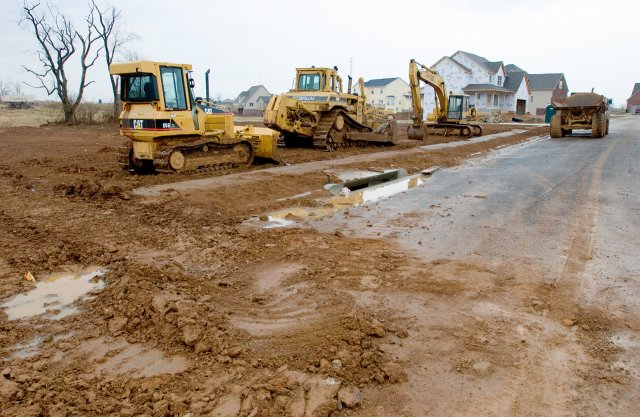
(560, 85)
(381, 91)
(495, 100)
(250, 104)
(499, 79)
(531, 99)
(490, 79)
(371, 92)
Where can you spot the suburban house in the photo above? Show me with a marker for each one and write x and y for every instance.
(251, 102)
(544, 88)
(488, 83)
(633, 103)
(387, 93)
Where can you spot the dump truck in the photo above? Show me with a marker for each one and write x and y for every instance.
(452, 113)
(317, 111)
(589, 111)
(170, 130)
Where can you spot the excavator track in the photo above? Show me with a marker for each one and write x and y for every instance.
(203, 155)
(454, 129)
(337, 129)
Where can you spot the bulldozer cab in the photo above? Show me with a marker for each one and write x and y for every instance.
(458, 107)
(165, 84)
(317, 79)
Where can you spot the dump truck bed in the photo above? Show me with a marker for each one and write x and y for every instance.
(580, 100)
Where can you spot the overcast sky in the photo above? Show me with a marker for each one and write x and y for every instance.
(245, 43)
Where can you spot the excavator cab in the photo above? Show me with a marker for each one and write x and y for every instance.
(458, 107)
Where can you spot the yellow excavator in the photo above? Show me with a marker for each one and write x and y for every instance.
(318, 110)
(170, 130)
(451, 113)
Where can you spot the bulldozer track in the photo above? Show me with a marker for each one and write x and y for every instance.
(124, 156)
(215, 157)
(199, 156)
(327, 137)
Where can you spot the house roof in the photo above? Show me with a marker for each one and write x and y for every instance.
(464, 67)
(248, 93)
(493, 66)
(485, 87)
(513, 68)
(264, 98)
(379, 82)
(514, 79)
(636, 89)
(544, 81)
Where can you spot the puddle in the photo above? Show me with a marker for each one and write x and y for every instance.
(28, 350)
(367, 189)
(117, 356)
(54, 295)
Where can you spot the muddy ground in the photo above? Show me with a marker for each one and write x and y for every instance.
(200, 314)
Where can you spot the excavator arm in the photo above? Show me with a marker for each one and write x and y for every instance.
(417, 73)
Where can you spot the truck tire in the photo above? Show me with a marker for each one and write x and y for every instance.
(556, 127)
(598, 125)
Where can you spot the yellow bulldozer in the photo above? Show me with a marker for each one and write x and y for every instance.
(451, 114)
(170, 130)
(317, 109)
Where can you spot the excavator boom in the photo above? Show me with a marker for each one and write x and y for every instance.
(450, 112)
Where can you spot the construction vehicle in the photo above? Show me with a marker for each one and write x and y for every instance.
(170, 130)
(317, 109)
(451, 114)
(580, 111)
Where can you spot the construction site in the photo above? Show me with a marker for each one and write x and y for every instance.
(454, 249)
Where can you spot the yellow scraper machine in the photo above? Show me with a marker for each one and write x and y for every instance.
(170, 130)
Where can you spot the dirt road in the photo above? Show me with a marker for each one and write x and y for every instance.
(502, 286)
(530, 306)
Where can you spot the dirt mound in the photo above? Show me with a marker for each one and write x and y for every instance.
(92, 189)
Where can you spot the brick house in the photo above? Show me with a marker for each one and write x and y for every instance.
(633, 103)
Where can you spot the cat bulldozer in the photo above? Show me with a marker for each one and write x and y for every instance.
(318, 110)
(451, 114)
(170, 130)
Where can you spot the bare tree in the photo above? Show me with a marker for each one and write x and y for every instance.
(16, 87)
(5, 88)
(107, 28)
(58, 40)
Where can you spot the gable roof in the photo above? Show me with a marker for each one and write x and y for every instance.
(514, 79)
(264, 98)
(513, 68)
(493, 66)
(248, 93)
(545, 81)
(636, 89)
(464, 67)
(379, 82)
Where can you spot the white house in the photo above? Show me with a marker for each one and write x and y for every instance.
(544, 88)
(486, 82)
(391, 94)
(251, 102)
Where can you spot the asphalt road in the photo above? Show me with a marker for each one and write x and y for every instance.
(544, 239)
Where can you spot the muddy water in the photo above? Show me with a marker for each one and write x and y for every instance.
(54, 295)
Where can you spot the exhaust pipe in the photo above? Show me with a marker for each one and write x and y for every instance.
(206, 82)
